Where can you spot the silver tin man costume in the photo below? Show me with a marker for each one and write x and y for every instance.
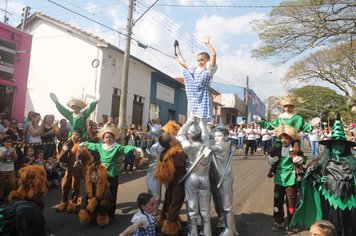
(221, 157)
(214, 178)
(197, 185)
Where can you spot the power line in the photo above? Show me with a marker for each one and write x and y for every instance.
(5, 11)
(188, 38)
(142, 45)
(79, 14)
(232, 6)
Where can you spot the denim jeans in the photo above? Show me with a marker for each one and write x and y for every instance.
(314, 148)
(267, 144)
(129, 160)
(241, 142)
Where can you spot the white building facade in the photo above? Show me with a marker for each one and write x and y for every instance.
(73, 63)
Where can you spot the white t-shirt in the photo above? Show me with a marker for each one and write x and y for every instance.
(241, 133)
(266, 135)
(6, 164)
(250, 134)
(233, 134)
(314, 135)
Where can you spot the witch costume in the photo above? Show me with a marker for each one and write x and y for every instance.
(328, 187)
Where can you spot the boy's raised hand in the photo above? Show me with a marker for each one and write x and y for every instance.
(206, 39)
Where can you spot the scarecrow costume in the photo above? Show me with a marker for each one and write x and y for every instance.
(170, 169)
(285, 118)
(285, 183)
(76, 121)
(295, 152)
(290, 119)
(109, 156)
(329, 190)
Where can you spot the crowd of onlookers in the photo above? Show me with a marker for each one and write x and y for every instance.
(253, 138)
(37, 141)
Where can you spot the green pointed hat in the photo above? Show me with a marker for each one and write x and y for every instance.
(337, 133)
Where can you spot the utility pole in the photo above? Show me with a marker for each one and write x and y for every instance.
(125, 72)
(247, 100)
(25, 14)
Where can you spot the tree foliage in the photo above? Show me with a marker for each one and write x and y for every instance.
(297, 26)
(322, 102)
(336, 66)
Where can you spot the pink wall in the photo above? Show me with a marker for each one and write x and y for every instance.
(23, 43)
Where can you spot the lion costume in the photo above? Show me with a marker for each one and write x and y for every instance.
(98, 198)
(32, 184)
(171, 167)
(73, 175)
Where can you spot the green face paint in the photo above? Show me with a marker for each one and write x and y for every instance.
(338, 148)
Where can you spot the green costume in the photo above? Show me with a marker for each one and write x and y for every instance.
(296, 121)
(77, 122)
(285, 174)
(109, 156)
(329, 186)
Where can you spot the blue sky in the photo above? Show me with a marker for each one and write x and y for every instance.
(228, 25)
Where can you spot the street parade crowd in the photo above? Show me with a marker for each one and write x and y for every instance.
(191, 162)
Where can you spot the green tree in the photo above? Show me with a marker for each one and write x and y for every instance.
(336, 66)
(297, 26)
(322, 102)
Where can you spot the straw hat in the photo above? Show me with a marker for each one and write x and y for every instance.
(289, 130)
(76, 102)
(290, 99)
(108, 129)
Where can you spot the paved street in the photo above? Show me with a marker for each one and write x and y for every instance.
(253, 193)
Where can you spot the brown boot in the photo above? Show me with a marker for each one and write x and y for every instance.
(83, 215)
(102, 220)
(73, 207)
(170, 228)
(62, 206)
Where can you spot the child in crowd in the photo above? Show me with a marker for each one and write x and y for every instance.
(133, 140)
(143, 222)
(197, 81)
(7, 168)
(40, 158)
(54, 172)
(322, 228)
(30, 158)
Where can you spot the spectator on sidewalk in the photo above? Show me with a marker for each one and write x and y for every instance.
(314, 137)
(251, 140)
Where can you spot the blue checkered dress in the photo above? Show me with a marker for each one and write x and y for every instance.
(148, 222)
(197, 84)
